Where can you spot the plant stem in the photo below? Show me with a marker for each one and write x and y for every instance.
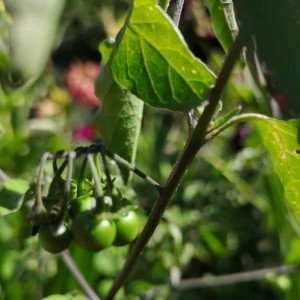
(234, 278)
(38, 198)
(66, 193)
(194, 143)
(177, 11)
(98, 165)
(96, 148)
(81, 176)
(134, 169)
(106, 171)
(70, 264)
(98, 191)
(57, 180)
(233, 121)
(239, 184)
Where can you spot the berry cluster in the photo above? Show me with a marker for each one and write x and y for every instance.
(88, 209)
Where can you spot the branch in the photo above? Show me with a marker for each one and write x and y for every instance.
(133, 169)
(70, 264)
(194, 143)
(246, 117)
(234, 278)
(177, 11)
(99, 147)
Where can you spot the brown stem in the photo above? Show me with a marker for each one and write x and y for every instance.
(194, 143)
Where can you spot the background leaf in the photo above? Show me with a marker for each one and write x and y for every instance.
(153, 62)
(223, 20)
(11, 195)
(32, 36)
(120, 116)
(18, 185)
(274, 27)
(281, 138)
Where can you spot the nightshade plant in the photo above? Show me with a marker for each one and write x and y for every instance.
(149, 63)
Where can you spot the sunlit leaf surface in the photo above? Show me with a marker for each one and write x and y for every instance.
(281, 138)
(153, 62)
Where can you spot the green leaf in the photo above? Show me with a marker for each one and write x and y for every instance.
(281, 138)
(32, 35)
(11, 195)
(223, 20)
(212, 241)
(9, 202)
(120, 116)
(153, 62)
(18, 186)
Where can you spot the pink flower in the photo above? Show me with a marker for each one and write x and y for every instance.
(84, 132)
(79, 80)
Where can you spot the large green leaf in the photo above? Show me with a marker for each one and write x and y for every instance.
(119, 119)
(281, 138)
(223, 20)
(153, 62)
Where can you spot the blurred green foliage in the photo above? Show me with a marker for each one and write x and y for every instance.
(227, 216)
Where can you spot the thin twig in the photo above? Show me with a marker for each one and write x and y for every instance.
(66, 193)
(70, 264)
(57, 180)
(192, 120)
(96, 178)
(98, 147)
(233, 121)
(234, 278)
(81, 176)
(194, 143)
(133, 169)
(177, 11)
(106, 170)
(38, 198)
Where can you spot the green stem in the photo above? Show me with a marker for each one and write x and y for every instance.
(99, 203)
(134, 169)
(194, 143)
(81, 177)
(106, 171)
(38, 205)
(55, 184)
(66, 195)
(233, 121)
(98, 165)
(38, 214)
